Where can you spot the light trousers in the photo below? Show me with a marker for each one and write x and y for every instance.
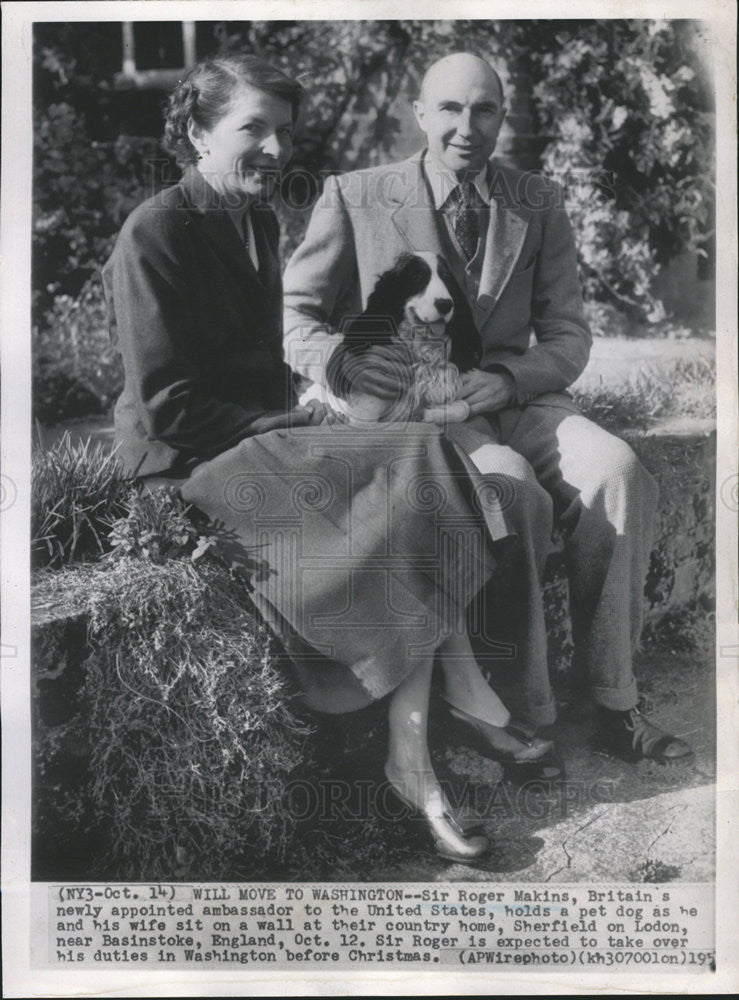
(551, 466)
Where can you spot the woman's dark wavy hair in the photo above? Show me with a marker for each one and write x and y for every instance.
(206, 92)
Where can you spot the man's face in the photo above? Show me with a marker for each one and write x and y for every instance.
(461, 112)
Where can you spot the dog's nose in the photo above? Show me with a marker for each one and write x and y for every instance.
(444, 306)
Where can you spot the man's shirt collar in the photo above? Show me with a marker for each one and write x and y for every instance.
(442, 182)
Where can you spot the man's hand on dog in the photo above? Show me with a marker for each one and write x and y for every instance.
(486, 392)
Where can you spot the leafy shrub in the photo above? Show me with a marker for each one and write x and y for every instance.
(83, 190)
(628, 107)
(76, 370)
(156, 526)
(77, 490)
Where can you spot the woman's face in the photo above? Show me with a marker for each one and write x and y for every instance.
(242, 156)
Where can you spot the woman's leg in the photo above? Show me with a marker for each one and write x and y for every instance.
(410, 771)
(464, 685)
(474, 702)
(409, 766)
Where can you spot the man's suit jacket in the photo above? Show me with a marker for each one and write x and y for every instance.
(529, 280)
(199, 330)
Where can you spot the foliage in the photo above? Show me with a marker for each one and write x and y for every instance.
(83, 191)
(351, 70)
(628, 107)
(76, 370)
(157, 525)
(77, 490)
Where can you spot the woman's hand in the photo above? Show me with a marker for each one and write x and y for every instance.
(455, 412)
(299, 416)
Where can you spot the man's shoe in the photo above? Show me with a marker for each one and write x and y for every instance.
(632, 736)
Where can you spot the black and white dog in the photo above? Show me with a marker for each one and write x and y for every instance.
(417, 302)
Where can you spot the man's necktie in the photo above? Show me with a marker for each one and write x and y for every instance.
(466, 222)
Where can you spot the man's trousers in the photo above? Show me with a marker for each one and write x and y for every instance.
(551, 466)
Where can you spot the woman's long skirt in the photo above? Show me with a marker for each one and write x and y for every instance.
(363, 547)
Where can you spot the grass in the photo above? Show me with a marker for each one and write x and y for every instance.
(78, 490)
(191, 731)
(685, 389)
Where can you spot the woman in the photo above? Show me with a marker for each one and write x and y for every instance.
(363, 552)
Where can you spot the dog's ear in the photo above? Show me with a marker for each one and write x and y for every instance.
(379, 322)
(466, 349)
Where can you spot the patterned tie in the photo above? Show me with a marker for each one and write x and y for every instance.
(466, 222)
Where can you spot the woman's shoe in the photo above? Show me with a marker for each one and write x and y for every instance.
(450, 839)
(529, 759)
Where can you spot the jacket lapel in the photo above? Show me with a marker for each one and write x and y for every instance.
(414, 217)
(506, 232)
(416, 220)
(221, 233)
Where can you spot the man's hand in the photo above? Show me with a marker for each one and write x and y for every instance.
(486, 392)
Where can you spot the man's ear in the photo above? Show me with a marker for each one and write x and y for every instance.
(419, 111)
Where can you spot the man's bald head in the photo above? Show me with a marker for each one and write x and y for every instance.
(461, 111)
(460, 62)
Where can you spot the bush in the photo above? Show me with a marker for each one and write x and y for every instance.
(83, 190)
(76, 370)
(156, 526)
(628, 105)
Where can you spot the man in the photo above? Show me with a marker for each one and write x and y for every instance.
(507, 239)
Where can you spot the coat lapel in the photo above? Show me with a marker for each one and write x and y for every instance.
(416, 220)
(221, 233)
(414, 217)
(506, 232)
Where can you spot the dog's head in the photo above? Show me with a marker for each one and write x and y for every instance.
(419, 291)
